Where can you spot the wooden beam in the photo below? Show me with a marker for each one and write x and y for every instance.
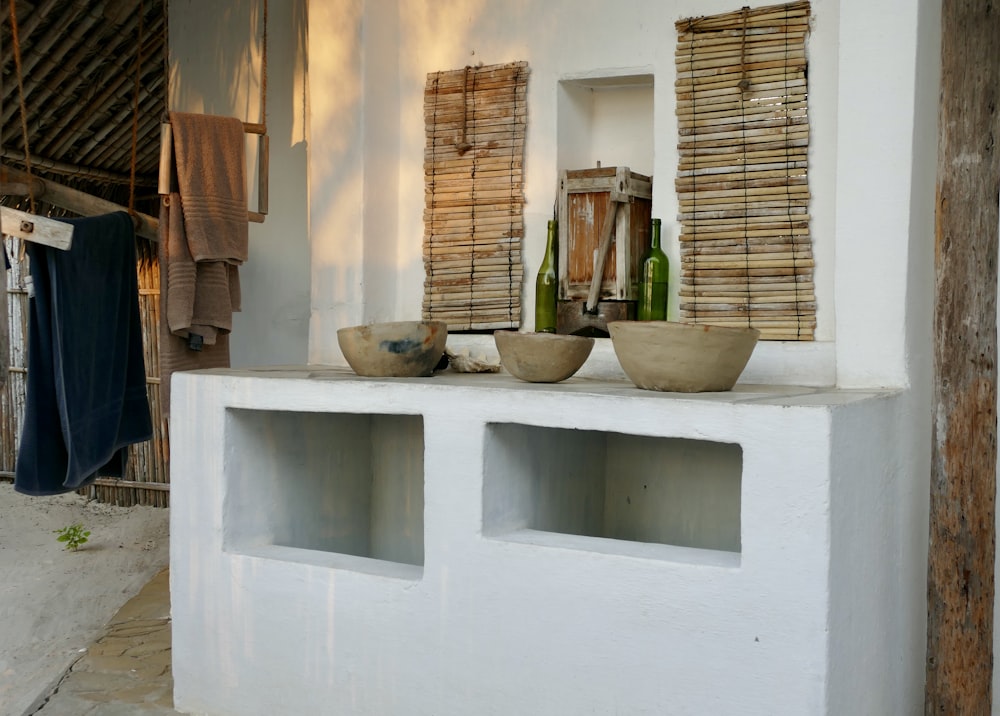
(960, 582)
(80, 202)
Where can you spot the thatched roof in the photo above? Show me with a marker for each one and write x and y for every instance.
(79, 60)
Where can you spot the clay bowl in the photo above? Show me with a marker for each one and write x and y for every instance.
(682, 357)
(403, 349)
(542, 357)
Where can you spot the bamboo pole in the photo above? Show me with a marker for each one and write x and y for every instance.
(746, 297)
(507, 247)
(735, 101)
(458, 220)
(748, 221)
(694, 82)
(739, 157)
(709, 253)
(792, 13)
(734, 41)
(774, 178)
(749, 115)
(726, 137)
(743, 126)
(705, 97)
(759, 272)
(750, 192)
(488, 204)
(481, 160)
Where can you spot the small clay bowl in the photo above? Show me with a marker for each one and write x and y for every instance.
(542, 357)
(402, 349)
(682, 357)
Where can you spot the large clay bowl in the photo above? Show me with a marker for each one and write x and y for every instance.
(542, 357)
(403, 349)
(682, 357)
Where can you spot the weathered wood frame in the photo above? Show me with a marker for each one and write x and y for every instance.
(610, 189)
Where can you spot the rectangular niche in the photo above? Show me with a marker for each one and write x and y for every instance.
(611, 485)
(340, 483)
(606, 118)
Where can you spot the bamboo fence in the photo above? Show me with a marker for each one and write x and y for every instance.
(475, 122)
(742, 176)
(146, 480)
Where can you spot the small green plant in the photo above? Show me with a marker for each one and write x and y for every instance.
(73, 536)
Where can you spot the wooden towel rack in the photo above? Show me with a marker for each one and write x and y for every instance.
(166, 181)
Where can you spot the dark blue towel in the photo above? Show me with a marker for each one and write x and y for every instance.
(86, 393)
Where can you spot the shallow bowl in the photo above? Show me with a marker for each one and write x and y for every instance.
(682, 357)
(401, 349)
(542, 357)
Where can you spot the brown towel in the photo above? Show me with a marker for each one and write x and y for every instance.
(208, 232)
(210, 154)
(174, 352)
(203, 295)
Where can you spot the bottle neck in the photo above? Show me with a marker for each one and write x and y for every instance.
(550, 243)
(655, 234)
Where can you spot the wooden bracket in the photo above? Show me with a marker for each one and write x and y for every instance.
(37, 229)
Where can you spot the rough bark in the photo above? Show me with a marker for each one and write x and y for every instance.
(960, 583)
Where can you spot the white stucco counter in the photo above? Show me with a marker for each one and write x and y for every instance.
(472, 544)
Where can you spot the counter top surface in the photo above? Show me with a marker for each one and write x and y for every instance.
(786, 395)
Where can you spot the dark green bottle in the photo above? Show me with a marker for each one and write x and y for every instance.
(655, 273)
(546, 286)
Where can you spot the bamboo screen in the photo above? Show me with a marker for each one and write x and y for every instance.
(742, 180)
(475, 123)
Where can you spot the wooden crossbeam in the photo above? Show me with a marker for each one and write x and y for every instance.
(77, 201)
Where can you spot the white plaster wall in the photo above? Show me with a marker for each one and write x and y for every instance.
(561, 40)
(215, 58)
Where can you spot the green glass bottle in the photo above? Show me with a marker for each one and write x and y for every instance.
(546, 286)
(655, 273)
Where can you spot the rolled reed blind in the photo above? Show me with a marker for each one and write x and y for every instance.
(475, 124)
(742, 179)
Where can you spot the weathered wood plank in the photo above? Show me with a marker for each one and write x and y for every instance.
(960, 582)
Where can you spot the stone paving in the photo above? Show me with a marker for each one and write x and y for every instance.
(126, 672)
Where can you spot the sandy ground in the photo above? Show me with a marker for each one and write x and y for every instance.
(54, 602)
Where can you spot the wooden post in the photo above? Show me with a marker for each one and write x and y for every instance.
(960, 584)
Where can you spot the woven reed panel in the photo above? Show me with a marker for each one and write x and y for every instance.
(475, 121)
(742, 178)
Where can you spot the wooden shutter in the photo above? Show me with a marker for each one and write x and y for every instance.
(742, 179)
(473, 225)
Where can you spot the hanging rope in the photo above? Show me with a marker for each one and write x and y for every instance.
(135, 116)
(263, 72)
(24, 108)
(166, 60)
